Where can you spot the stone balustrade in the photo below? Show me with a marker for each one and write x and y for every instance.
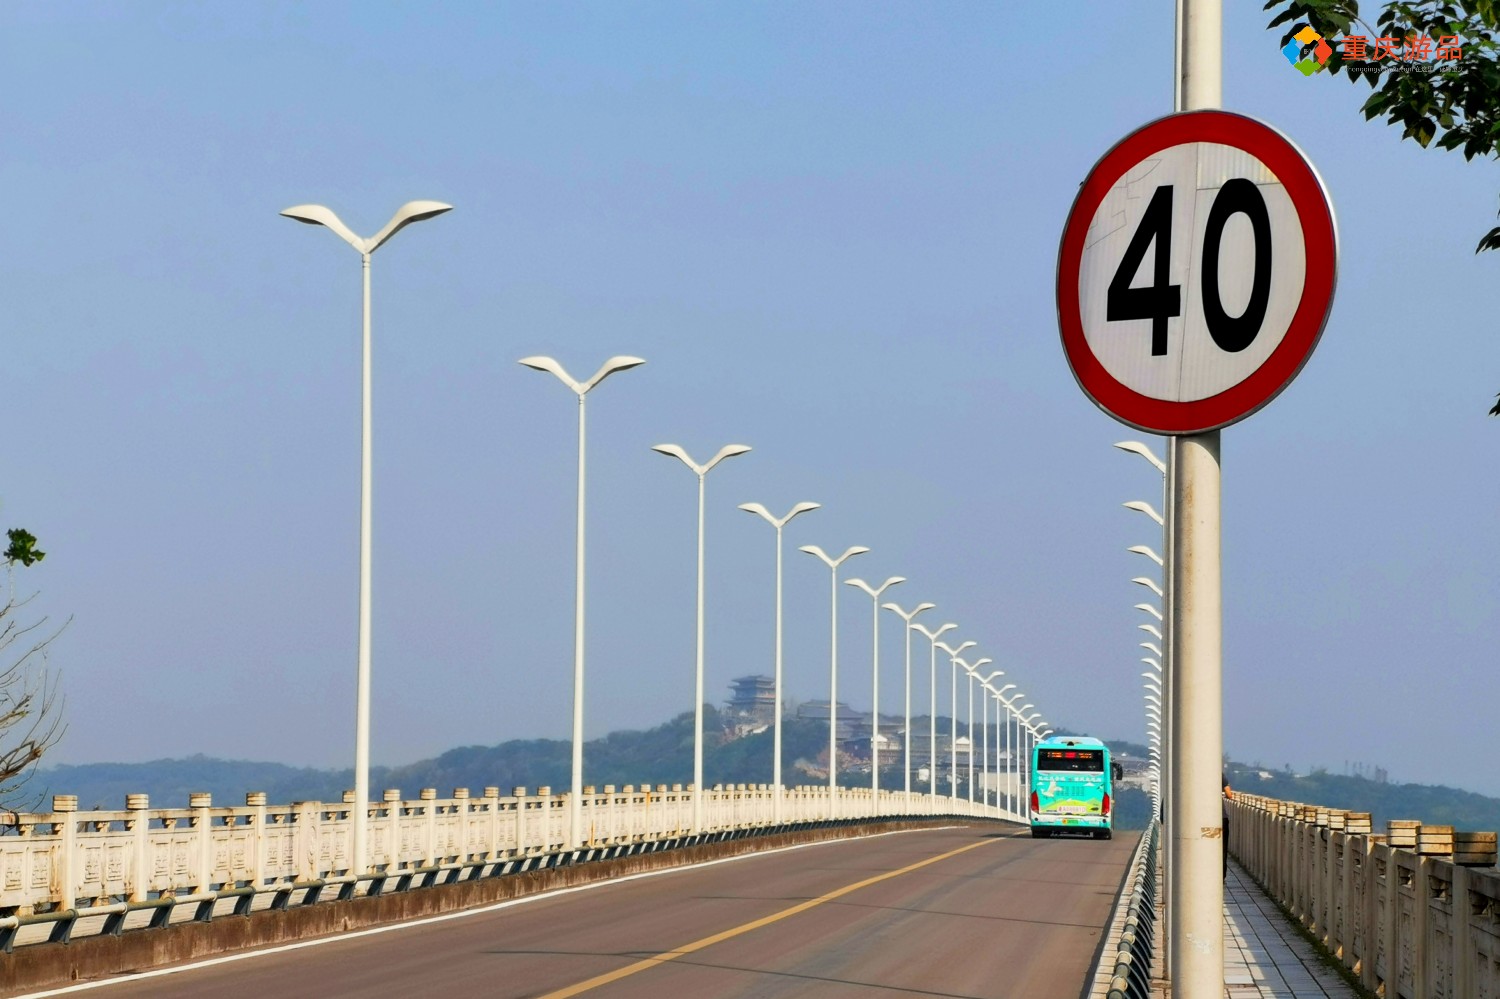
(66, 864)
(1414, 913)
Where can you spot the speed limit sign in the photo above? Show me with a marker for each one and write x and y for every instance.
(1195, 273)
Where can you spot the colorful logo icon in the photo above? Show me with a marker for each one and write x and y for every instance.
(1316, 60)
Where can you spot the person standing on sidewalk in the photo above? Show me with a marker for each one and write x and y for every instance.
(1228, 796)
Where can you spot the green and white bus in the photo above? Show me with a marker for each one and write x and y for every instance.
(1072, 787)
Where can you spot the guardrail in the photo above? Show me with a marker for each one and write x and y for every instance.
(1124, 967)
(142, 865)
(1412, 913)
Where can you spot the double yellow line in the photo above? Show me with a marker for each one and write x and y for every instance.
(755, 924)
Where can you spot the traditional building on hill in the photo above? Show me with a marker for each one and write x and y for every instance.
(752, 703)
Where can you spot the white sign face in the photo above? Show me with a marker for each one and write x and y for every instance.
(1185, 295)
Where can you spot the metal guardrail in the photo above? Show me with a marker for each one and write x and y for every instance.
(65, 872)
(1129, 966)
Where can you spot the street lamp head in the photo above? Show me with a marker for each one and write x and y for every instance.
(954, 653)
(1149, 610)
(1146, 551)
(1151, 630)
(932, 635)
(539, 363)
(319, 215)
(1141, 506)
(612, 365)
(833, 563)
(1002, 690)
(619, 362)
(727, 451)
(1136, 447)
(677, 451)
(412, 211)
(875, 591)
(1149, 584)
(1148, 660)
(986, 680)
(778, 522)
(908, 615)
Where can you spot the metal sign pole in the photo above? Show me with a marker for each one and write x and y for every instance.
(1196, 900)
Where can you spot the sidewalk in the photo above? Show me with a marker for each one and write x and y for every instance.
(1264, 955)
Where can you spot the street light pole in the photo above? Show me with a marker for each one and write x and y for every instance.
(971, 669)
(833, 663)
(906, 732)
(875, 592)
(701, 471)
(953, 661)
(581, 389)
(778, 523)
(932, 638)
(985, 726)
(1009, 757)
(412, 211)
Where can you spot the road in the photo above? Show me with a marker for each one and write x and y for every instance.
(980, 911)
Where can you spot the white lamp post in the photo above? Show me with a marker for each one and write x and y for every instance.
(412, 211)
(833, 663)
(1009, 756)
(875, 592)
(778, 523)
(581, 389)
(676, 451)
(985, 727)
(953, 655)
(906, 732)
(972, 670)
(932, 637)
(1023, 778)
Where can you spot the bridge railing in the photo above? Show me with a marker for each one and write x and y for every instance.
(115, 862)
(1413, 913)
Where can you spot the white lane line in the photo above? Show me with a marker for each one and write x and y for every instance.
(461, 914)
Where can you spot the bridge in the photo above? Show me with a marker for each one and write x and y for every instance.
(853, 890)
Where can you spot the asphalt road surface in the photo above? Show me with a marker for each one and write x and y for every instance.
(981, 911)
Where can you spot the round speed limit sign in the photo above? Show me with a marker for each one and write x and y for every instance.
(1195, 273)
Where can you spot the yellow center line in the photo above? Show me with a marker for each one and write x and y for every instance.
(754, 924)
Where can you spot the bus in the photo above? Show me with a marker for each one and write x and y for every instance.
(1072, 787)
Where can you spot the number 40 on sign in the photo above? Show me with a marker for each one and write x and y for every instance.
(1196, 272)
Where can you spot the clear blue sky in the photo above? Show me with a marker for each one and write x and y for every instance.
(831, 230)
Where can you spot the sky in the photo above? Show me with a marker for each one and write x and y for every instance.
(831, 230)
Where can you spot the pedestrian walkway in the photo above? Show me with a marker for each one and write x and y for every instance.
(1264, 955)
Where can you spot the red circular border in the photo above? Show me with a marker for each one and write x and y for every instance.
(1315, 213)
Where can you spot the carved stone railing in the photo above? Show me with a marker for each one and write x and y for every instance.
(141, 863)
(1413, 913)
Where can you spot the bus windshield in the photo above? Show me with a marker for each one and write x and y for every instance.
(1070, 760)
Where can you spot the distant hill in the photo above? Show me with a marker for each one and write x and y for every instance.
(661, 755)
(664, 755)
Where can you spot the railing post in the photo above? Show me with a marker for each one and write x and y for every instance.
(428, 797)
(256, 845)
(65, 865)
(1374, 936)
(492, 801)
(138, 824)
(200, 802)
